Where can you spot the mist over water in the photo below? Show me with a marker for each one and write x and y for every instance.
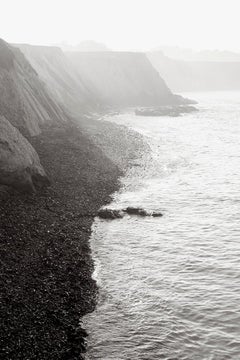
(170, 286)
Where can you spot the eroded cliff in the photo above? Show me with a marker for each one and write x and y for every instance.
(24, 100)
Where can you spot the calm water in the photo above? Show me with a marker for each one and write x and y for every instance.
(170, 286)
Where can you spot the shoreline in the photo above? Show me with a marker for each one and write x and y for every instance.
(47, 268)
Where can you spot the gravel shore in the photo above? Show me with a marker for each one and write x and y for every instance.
(46, 263)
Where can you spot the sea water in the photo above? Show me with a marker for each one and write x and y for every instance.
(169, 288)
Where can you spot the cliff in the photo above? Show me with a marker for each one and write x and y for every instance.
(62, 80)
(24, 101)
(197, 75)
(25, 107)
(122, 79)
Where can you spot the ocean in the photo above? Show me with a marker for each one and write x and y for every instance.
(169, 287)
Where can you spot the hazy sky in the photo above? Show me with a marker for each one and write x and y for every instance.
(124, 24)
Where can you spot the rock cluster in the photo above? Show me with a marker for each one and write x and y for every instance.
(110, 214)
(118, 214)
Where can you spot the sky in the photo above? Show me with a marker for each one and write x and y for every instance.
(123, 24)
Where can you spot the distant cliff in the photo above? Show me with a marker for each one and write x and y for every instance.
(188, 54)
(122, 78)
(196, 75)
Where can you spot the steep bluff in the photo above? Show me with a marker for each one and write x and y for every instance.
(122, 78)
(196, 75)
(24, 100)
(25, 107)
(62, 80)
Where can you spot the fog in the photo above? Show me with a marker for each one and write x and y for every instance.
(123, 24)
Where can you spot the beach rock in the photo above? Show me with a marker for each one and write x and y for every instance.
(141, 212)
(19, 163)
(157, 214)
(110, 214)
(135, 211)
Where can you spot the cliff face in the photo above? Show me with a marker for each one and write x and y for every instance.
(62, 80)
(196, 75)
(19, 163)
(25, 106)
(122, 78)
(24, 101)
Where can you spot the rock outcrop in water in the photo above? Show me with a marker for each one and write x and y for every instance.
(19, 163)
(109, 214)
(141, 212)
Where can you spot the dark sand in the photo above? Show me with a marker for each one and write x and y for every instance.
(46, 262)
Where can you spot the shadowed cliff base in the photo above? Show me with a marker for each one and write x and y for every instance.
(46, 283)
